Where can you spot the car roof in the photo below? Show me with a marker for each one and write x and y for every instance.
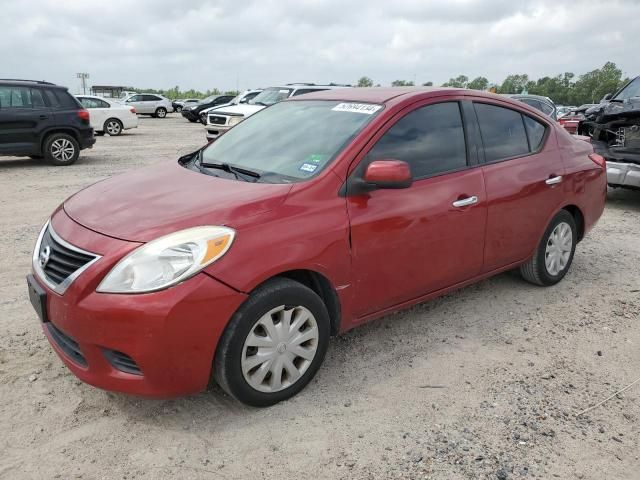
(19, 81)
(380, 94)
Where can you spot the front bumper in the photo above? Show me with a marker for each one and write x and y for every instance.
(170, 335)
(214, 131)
(190, 115)
(623, 174)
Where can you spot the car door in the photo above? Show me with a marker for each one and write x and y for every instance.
(151, 102)
(523, 174)
(409, 242)
(24, 115)
(137, 102)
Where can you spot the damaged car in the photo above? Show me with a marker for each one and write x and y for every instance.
(614, 128)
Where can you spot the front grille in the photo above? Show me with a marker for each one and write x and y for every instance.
(217, 120)
(67, 344)
(59, 260)
(122, 361)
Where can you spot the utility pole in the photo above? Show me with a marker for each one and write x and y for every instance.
(83, 79)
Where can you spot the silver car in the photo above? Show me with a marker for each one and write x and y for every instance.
(150, 104)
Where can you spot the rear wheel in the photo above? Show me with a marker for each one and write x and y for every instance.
(161, 112)
(61, 149)
(113, 127)
(178, 109)
(553, 257)
(274, 344)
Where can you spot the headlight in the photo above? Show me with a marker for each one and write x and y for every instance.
(235, 120)
(168, 260)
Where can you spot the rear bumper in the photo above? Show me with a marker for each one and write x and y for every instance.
(623, 174)
(86, 139)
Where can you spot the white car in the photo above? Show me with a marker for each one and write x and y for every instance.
(108, 116)
(222, 119)
(244, 97)
(150, 104)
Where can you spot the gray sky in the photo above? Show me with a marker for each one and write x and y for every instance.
(206, 44)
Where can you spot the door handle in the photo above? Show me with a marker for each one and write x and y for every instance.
(44, 117)
(553, 180)
(465, 202)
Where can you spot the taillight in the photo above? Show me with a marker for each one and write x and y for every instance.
(598, 160)
(133, 110)
(83, 115)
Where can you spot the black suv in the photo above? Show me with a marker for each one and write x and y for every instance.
(42, 120)
(192, 111)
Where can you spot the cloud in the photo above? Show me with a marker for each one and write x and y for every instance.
(248, 43)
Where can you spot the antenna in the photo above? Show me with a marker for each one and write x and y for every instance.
(83, 79)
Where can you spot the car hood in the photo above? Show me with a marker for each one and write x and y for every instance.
(244, 109)
(159, 199)
(217, 107)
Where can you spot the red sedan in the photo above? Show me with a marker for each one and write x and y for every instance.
(315, 215)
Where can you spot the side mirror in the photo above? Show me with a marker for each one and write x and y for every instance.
(243, 100)
(388, 174)
(606, 97)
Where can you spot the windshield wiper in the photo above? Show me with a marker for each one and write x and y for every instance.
(240, 173)
(260, 103)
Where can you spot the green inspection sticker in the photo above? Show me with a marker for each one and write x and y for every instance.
(317, 158)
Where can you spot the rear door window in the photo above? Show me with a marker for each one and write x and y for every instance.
(503, 132)
(36, 98)
(430, 139)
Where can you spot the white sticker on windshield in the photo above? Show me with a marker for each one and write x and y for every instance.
(366, 108)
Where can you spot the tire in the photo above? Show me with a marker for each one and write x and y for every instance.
(274, 301)
(61, 149)
(178, 109)
(161, 112)
(113, 127)
(554, 245)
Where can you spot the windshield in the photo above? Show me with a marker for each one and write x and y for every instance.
(208, 99)
(271, 96)
(631, 90)
(291, 141)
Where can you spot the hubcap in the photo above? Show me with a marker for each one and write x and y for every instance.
(62, 149)
(558, 249)
(279, 348)
(113, 128)
(161, 113)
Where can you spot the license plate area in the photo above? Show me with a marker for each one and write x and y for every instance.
(38, 298)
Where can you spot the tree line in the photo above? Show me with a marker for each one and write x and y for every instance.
(563, 89)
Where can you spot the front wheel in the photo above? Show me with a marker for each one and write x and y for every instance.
(554, 255)
(274, 344)
(178, 109)
(161, 112)
(61, 149)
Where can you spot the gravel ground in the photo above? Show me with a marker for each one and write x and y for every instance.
(483, 383)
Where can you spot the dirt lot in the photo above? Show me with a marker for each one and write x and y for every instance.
(483, 383)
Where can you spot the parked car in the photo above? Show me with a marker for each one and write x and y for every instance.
(307, 219)
(192, 112)
(221, 120)
(125, 94)
(570, 120)
(239, 99)
(150, 104)
(42, 120)
(178, 105)
(108, 116)
(562, 110)
(614, 129)
(544, 104)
